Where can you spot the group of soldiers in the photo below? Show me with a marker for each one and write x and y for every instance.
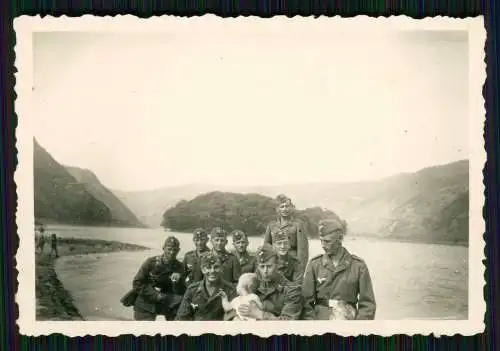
(290, 286)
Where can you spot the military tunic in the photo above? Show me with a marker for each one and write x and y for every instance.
(156, 293)
(248, 263)
(349, 281)
(192, 266)
(281, 300)
(197, 305)
(297, 236)
(231, 270)
(289, 266)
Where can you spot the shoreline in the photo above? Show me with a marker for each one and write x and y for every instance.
(53, 302)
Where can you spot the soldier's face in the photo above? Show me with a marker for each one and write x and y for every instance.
(170, 252)
(285, 209)
(282, 247)
(219, 243)
(240, 245)
(212, 272)
(200, 242)
(331, 243)
(268, 269)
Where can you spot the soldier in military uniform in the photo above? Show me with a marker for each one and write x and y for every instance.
(231, 269)
(336, 275)
(288, 265)
(202, 300)
(281, 299)
(159, 284)
(192, 258)
(297, 236)
(248, 263)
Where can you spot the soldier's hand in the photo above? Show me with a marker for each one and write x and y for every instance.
(246, 311)
(175, 277)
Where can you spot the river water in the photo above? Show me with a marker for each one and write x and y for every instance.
(411, 281)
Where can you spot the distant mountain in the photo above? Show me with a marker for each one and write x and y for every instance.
(431, 205)
(59, 197)
(150, 205)
(119, 212)
(248, 212)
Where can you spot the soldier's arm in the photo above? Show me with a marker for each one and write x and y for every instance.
(298, 275)
(142, 283)
(292, 308)
(229, 315)
(366, 300)
(302, 246)
(268, 239)
(184, 313)
(309, 292)
(236, 270)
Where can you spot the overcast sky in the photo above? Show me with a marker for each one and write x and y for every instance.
(144, 111)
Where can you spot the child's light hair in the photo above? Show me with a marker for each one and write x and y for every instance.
(247, 284)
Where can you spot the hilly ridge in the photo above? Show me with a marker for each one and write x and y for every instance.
(74, 196)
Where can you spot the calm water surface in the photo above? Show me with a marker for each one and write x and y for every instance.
(411, 281)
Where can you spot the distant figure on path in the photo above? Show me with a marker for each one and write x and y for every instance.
(41, 239)
(337, 278)
(288, 265)
(160, 284)
(53, 245)
(248, 262)
(281, 299)
(192, 258)
(297, 236)
(202, 300)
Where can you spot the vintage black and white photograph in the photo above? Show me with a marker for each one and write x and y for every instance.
(321, 172)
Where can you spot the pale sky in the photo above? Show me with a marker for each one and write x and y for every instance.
(144, 111)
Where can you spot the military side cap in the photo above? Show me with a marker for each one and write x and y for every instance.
(238, 235)
(209, 259)
(200, 233)
(330, 226)
(171, 241)
(218, 232)
(265, 253)
(280, 235)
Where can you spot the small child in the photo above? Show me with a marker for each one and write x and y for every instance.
(341, 310)
(247, 285)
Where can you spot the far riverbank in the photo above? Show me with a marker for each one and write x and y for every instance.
(53, 302)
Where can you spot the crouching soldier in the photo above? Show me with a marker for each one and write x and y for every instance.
(192, 258)
(288, 265)
(280, 298)
(247, 262)
(203, 300)
(337, 277)
(159, 284)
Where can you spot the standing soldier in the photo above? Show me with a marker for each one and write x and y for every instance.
(231, 269)
(159, 284)
(41, 239)
(288, 265)
(240, 244)
(336, 276)
(202, 300)
(281, 299)
(53, 245)
(192, 258)
(299, 244)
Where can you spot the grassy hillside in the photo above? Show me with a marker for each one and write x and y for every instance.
(119, 212)
(60, 197)
(430, 205)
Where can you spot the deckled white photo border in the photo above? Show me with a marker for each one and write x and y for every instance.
(25, 297)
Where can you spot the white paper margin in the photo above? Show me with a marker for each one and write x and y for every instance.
(25, 297)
